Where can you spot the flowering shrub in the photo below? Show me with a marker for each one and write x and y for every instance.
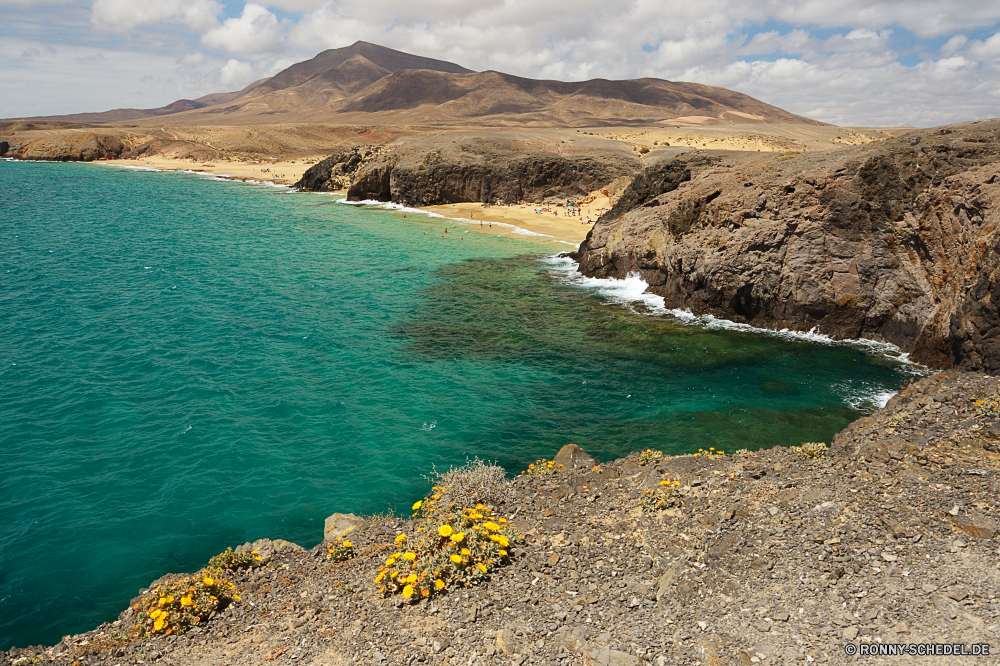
(989, 406)
(668, 495)
(173, 608)
(649, 456)
(453, 547)
(810, 450)
(542, 467)
(231, 560)
(340, 550)
(711, 453)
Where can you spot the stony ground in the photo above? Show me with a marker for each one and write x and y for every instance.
(767, 559)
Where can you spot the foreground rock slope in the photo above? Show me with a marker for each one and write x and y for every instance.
(767, 559)
(895, 240)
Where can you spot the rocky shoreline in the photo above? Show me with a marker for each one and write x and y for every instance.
(767, 558)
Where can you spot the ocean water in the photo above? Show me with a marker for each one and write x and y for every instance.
(188, 364)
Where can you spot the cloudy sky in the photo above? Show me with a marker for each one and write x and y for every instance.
(849, 62)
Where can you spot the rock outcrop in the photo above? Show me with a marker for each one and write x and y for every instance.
(337, 172)
(487, 170)
(4, 147)
(68, 147)
(894, 241)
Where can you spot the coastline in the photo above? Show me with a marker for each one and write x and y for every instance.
(783, 556)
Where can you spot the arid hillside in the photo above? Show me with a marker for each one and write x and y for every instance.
(369, 84)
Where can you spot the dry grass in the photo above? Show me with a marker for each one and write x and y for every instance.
(477, 481)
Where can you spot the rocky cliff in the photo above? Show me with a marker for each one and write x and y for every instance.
(894, 240)
(74, 146)
(337, 172)
(487, 169)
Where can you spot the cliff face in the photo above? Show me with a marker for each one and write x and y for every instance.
(894, 241)
(337, 171)
(486, 169)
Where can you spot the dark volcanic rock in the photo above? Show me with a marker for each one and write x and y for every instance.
(894, 241)
(4, 147)
(337, 171)
(485, 169)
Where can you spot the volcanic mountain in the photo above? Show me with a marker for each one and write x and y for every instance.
(368, 84)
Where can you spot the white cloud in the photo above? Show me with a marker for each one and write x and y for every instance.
(256, 31)
(836, 60)
(124, 15)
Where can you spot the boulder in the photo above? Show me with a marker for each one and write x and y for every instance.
(572, 456)
(339, 525)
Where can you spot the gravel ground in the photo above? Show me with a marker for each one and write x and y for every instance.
(768, 559)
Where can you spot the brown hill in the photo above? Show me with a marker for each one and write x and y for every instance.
(369, 84)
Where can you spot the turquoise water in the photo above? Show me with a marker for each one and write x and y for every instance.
(187, 364)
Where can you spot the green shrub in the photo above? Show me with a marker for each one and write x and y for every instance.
(811, 450)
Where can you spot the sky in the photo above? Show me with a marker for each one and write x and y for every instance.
(847, 62)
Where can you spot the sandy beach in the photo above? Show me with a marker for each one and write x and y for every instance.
(551, 221)
(283, 173)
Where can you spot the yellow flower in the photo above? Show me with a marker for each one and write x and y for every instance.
(504, 553)
(237, 597)
(457, 559)
(490, 525)
(163, 600)
(445, 530)
(389, 562)
(465, 551)
(253, 552)
(425, 593)
(208, 581)
(436, 497)
(503, 521)
(409, 556)
(378, 578)
(500, 539)
(417, 505)
(412, 578)
(480, 507)
(185, 601)
(155, 614)
(677, 483)
(408, 591)
(664, 483)
(393, 574)
(259, 559)
(158, 624)
(347, 544)
(439, 584)
(482, 567)
(457, 537)
(400, 538)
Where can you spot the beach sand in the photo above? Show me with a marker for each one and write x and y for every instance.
(283, 173)
(560, 227)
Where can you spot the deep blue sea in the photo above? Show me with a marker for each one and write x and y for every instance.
(188, 364)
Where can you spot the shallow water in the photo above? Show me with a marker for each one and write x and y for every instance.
(188, 364)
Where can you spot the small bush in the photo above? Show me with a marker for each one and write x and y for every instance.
(231, 560)
(811, 450)
(711, 453)
(542, 467)
(340, 550)
(649, 456)
(899, 418)
(453, 547)
(476, 482)
(173, 608)
(668, 495)
(989, 406)
(745, 453)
